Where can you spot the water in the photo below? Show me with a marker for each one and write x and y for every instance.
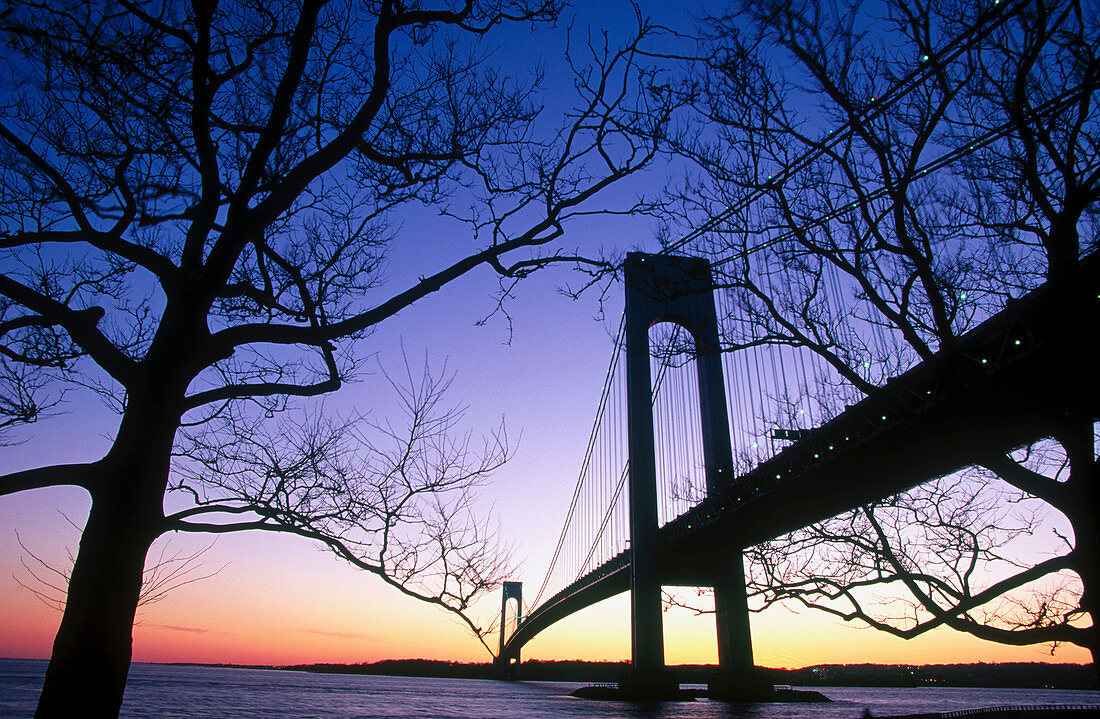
(166, 692)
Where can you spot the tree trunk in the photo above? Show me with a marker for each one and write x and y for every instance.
(1085, 518)
(1078, 439)
(1089, 580)
(1077, 435)
(91, 653)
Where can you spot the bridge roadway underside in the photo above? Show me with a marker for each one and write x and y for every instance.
(1009, 382)
(933, 427)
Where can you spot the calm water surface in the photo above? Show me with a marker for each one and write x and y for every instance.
(213, 693)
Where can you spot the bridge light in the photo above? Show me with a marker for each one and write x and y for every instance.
(830, 446)
(985, 361)
(1018, 343)
(884, 417)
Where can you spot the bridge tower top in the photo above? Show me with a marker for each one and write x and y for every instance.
(670, 288)
(678, 289)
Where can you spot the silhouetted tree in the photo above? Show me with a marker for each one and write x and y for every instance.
(881, 177)
(197, 199)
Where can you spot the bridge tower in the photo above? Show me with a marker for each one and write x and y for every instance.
(663, 288)
(508, 664)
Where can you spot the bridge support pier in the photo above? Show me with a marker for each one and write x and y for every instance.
(737, 678)
(507, 667)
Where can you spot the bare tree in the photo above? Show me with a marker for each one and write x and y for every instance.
(872, 181)
(394, 498)
(197, 199)
(944, 554)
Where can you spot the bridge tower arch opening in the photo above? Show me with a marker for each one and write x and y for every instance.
(680, 290)
(677, 421)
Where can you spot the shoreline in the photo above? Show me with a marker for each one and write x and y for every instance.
(1008, 675)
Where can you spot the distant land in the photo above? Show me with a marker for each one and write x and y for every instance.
(1022, 675)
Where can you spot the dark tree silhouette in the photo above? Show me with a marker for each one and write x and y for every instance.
(197, 199)
(883, 177)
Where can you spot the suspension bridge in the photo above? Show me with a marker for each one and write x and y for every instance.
(696, 454)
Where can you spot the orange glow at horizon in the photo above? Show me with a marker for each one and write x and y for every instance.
(781, 639)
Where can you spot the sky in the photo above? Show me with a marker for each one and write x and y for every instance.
(277, 600)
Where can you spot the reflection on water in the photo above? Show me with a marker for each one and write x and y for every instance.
(165, 692)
